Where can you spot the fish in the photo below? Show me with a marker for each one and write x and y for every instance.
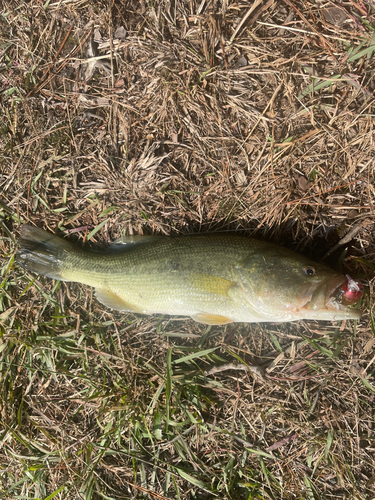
(216, 278)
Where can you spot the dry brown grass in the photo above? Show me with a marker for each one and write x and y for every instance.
(201, 116)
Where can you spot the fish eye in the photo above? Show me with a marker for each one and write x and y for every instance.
(309, 270)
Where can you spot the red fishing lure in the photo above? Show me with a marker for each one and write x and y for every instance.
(351, 291)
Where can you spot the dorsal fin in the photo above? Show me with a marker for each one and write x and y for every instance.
(126, 243)
(136, 239)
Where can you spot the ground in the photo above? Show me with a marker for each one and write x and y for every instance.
(174, 118)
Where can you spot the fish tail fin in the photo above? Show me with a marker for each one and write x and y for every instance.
(42, 252)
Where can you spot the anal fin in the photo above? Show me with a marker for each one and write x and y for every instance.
(114, 301)
(211, 319)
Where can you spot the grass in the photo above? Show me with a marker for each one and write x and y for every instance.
(258, 120)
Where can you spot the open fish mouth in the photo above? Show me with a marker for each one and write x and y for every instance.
(334, 294)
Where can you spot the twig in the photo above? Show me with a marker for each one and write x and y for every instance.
(255, 370)
(244, 19)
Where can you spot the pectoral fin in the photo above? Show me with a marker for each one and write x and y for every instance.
(207, 283)
(211, 319)
(110, 299)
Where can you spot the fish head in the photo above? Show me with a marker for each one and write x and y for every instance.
(280, 285)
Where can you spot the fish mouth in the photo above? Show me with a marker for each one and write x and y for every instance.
(324, 298)
(332, 298)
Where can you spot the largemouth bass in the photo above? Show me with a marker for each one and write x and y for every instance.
(214, 278)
